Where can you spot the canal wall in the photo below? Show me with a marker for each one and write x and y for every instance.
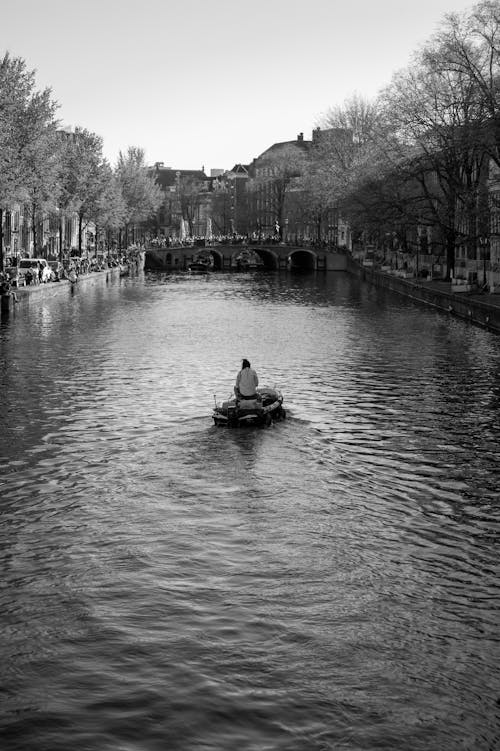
(484, 312)
(41, 292)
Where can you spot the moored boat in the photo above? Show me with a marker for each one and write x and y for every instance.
(248, 260)
(202, 263)
(268, 407)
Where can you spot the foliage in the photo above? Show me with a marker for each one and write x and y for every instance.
(142, 196)
(84, 177)
(28, 144)
(422, 154)
(110, 209)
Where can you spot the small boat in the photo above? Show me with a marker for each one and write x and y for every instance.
(267, 408)
(248, 260)
(202, 263)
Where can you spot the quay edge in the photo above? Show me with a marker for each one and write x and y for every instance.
(481, 310)
(37, 292)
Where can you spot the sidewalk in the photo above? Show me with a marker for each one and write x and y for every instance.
(485, 298)
(480, 309)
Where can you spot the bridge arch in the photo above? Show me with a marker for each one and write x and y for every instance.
(303, 259)
(268, 256)
(218, 257)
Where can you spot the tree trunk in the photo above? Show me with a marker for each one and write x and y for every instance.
(34, 232)
(2, 266)
(80, 230)
(450, 254)
(61, 239)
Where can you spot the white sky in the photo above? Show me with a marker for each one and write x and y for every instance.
(211, 82)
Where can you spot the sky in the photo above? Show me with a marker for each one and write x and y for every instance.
(211, 83)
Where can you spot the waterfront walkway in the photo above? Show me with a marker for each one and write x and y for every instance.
(479, 308)
(485, 298)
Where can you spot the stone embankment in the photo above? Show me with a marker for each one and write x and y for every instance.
(37, 292)
(480, 309)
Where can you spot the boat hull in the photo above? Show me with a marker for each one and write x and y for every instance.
(262, 412)
(201, 263)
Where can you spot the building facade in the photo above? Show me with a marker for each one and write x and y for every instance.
(51, 236)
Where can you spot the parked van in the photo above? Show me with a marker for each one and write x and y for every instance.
(29, 271)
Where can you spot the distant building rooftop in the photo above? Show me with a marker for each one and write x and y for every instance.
(166, 176)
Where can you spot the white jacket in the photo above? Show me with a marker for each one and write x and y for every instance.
(247, 381)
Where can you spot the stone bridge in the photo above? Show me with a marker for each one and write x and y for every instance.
(273, 257)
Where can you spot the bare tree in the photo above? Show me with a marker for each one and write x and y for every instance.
(438, 119)
(337, 155)
(468, 46)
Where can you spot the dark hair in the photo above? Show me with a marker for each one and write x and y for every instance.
(245, 364)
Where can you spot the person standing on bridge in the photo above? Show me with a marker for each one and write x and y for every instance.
(246, 382)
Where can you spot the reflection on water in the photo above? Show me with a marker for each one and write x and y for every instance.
(330, 582)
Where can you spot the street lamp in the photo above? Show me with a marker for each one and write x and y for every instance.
(484, 244)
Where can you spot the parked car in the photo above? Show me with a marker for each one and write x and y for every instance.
(57, 270)
(29, 270)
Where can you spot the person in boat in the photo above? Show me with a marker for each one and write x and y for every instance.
(246, 382)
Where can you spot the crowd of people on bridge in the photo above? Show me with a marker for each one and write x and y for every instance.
(255, 238)
(169, 241)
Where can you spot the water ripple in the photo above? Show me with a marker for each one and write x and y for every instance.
(330, 582)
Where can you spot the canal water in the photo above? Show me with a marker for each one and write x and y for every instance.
(330, 582)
